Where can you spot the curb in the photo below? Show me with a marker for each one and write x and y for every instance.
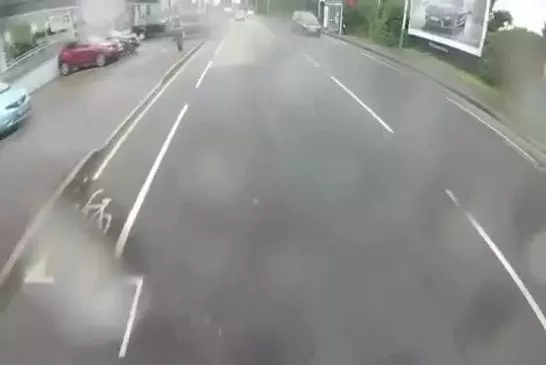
(413, 68)
(144, 103)
(13, 271)
(537, 150)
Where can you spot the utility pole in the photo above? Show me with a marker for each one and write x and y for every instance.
(341, 19)
(404, 20)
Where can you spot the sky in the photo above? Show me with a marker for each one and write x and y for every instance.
(530, 14)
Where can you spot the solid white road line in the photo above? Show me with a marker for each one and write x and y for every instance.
(504, 262)
(122, 139)
(382, 62)
(131, 217)
(452, 197)
(38, 273)
(131, 320)
(368, 109)
(311, 60)
(203, 75)
(499, 133)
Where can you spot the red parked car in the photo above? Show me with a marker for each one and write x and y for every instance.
(93, 51)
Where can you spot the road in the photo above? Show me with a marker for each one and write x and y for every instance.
(291, 200)
(70, 116)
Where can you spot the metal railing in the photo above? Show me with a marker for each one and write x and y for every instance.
(30, 60)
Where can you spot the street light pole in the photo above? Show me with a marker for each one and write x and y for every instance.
(404, 20)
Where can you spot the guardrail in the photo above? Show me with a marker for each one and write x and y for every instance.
(30, 61)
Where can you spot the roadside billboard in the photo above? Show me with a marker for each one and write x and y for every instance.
(460, 24)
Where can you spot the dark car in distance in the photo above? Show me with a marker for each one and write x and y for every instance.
(445, 16)
(304, 22)
(151, 26)
(192, 24)
(129, 41)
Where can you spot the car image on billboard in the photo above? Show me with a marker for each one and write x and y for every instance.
(460, 24)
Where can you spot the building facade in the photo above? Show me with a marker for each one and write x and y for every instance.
(29, 24)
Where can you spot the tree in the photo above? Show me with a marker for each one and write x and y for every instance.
(512, 58)
(361, 18)
(500, 19)
(21, 39)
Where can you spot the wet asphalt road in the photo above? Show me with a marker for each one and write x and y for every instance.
(70, 116)
(292, 201)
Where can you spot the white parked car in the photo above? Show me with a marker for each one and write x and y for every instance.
(239, 15)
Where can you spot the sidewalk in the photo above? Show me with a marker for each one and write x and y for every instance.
(520, 120)
(39, 76)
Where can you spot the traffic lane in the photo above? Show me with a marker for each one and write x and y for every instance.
(275, 228)
(70, 116)
(122, 171)
(450, 142)
(227, 110)
(501, 189)
(398, 95)
(58, 331)
(497, 183)
(214, 197)
(75, 304)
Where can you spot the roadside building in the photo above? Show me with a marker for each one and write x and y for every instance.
(30, 25)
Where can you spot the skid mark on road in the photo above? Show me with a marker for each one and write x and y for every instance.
(503, 261)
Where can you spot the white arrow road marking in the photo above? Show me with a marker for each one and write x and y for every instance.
(37, 273)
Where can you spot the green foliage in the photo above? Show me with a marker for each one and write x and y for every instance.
(381, 24)
(512, 58)
(355, 21)
(21, 33)
(22, 39)
(499, 20)
(389, 23)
